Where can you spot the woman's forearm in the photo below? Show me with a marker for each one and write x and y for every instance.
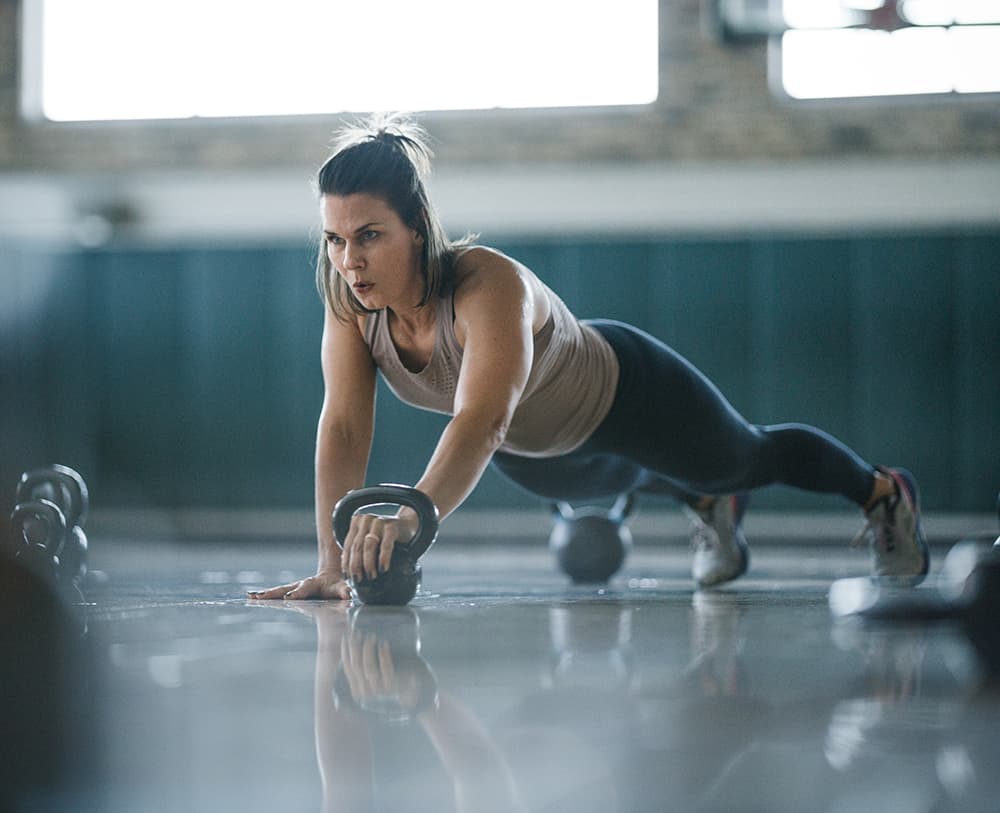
(341, 462)
(460, 458)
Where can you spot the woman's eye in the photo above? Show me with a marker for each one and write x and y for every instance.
(370, 235)
(334, 241)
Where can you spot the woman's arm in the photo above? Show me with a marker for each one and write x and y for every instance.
(494, 317)
(343, 443)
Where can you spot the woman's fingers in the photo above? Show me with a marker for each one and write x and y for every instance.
(321, 587)
(341, 590)
(307, 588)
(351, 568)
(369, 545)
(389, 540)
(273, 592)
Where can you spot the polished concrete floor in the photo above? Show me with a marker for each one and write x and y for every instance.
(500, 688)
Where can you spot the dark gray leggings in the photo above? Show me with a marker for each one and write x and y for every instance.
(670, 431)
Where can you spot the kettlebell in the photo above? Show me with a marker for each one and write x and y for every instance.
(38, 534)
(60, 484)
(399, 584)
(68, 490)
(590, 544)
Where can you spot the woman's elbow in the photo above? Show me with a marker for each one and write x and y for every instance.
(491, 426)
(497, 431)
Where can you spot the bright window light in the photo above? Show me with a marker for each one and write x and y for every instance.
(125, 59)
(947, 12)
(825, 64)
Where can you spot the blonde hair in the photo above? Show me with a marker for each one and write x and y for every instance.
(386, 156)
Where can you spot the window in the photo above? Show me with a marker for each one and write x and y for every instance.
(122, 59)
(860, 48)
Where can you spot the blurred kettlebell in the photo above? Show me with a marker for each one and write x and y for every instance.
(65, 488)
(591, 544)
(399, 584)
(969, 595)
(38, 535)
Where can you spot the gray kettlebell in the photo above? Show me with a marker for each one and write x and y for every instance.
(590, 544)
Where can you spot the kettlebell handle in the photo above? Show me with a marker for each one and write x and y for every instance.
(619, 512)
(623, 507)
(49, 513)
(389, 494)
(72, 486)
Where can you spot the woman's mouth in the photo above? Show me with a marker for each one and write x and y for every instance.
(362, 287)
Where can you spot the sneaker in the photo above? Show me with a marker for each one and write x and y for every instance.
(720, 549)
(892, 531)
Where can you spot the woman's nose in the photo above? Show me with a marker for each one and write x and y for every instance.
(352, 256)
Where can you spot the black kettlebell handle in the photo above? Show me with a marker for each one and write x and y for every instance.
(389, 494)
(50, 514)
(66, 480)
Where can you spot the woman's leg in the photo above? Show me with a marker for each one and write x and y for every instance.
(579, 476)
(671, 420)
(671, 431)
(693, 437)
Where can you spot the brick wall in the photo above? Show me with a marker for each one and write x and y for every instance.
(714, 105)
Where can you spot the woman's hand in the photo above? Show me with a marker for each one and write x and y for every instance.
(367, 550)
(320, 586)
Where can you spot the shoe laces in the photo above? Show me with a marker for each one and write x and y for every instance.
(703, 535)
(880, 526)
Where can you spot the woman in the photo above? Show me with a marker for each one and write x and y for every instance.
(569, 410)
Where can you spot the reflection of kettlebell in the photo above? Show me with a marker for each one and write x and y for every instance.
(591, 544)
(591, 647)
(394, 634)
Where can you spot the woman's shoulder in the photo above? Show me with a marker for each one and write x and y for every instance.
(471, 257)
(486, 277)
(366, 325)
(480, 265)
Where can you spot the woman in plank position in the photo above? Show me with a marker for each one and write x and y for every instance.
(568, 409)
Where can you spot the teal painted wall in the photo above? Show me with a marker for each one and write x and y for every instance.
(190, 375)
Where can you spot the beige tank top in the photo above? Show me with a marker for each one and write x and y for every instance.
(574, 373)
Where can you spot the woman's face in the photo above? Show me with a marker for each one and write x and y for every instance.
(374, 251)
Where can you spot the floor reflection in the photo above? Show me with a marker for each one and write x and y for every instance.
(480, 698)
(374, 692)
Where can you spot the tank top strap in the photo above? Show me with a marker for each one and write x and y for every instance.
(445, 327)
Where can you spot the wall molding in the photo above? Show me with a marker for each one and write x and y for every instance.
(806, 197)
